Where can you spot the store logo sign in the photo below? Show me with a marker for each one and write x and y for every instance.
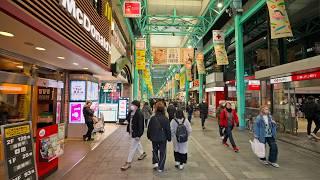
(281, 80)
(84, 21)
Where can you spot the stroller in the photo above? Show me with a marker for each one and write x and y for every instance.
(99, 124)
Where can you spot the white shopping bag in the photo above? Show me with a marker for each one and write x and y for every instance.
(258, 148)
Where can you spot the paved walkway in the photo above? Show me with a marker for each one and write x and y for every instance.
(208, 159)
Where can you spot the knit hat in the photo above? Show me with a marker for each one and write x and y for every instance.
(136, 103)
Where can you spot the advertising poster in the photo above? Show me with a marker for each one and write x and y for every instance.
(141, 59)
(279, 21)
(19, 157)
(159, 56)
(221, 54)
(186, 57)
(173, 56)
(132, 9)
(75, 114)
(123, 108)
(92, 91)
(182, 80)
(77, 90)
(200, 63)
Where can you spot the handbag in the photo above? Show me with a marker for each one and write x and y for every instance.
(258, 148)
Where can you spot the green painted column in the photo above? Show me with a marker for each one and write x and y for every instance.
(186, 86)
(201, 87)
(135, 75)
(240, 70)
(141, 86)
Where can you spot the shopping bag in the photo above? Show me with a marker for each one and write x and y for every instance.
(98, 125)
(258, 148)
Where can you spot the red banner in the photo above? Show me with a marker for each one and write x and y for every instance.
(308, 76)
(132, 9)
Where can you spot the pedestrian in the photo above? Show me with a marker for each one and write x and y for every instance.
(180, 131)
(135, 128)
(229, 119)
(147, 112)
(265, 131)
(88, 117)
(219, 110)
(159, 133)
(189, 110)
(309, 109)
(171, 111)
(203, 108)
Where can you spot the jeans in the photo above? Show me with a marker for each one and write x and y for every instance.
(203, 120)
(159, 153)
(134, 146)
(228, 134)
(189, 117)
(273, 152)
(181, 158)
(89, 131)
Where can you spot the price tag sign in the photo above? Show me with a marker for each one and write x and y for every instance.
(18, 150)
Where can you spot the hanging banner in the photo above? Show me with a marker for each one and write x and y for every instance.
(141, 44)
(182, 80)
(177, 77)
(140, 59)
(279, 21)
(187, 55)
(159, 56)
(200, 63)
(218, 37)
(221, 54)
(173, 56)
(132, 9)
(189, 75)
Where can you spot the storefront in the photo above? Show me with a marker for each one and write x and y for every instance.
(214, 91)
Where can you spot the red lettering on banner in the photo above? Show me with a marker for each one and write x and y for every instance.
(308, 76)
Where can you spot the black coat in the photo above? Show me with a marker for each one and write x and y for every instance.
(309, 109)
(137, 123)
(189, 109)
(203, 108)
(88, 114)
(159, 128)
(171, 111)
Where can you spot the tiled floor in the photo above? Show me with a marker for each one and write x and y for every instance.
(208, 159)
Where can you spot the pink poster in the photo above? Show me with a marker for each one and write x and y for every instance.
(75, 113)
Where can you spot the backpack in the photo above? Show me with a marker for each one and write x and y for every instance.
(181, 133)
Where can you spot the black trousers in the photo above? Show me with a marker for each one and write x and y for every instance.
(90, 129)
(228, 135)
(203, 120)
(181, 158)
(189, 117)
(159, 153)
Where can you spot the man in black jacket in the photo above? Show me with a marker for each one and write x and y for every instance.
(310, 111)
(88, 117)
(135, 128)
(171, 111)
(203, 107)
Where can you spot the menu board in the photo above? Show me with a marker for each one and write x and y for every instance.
(18, 151)
(77, 90)
(123, 108)
(92, 91)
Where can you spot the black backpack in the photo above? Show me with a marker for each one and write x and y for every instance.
(181, 133)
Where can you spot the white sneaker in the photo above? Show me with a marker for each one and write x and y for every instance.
(155, 166)
(177, 164)
(274, 165)
(181, 166)
(315, 136)
(160, 171)
(222, 137)
(264, 162)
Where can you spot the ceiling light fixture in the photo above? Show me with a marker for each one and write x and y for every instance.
(85, 68)
(40, 48)
(7, 34)
(219, 5)
(20, 67)
(189, 46)
(76, 64)
(60, 57)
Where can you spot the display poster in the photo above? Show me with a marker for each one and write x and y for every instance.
(75, 112)
(19, 157)
(141, 59)
(58, 112)
(186, 57)
(110, 93)
(132, 9)
(123, 108)
(159, 56)
(60, 143)
(173, 56)
(95, 108)
(221, 54)
(177, 77)
(77, 90)
(182, 80)
(200, 63)
(92, 91)
(279, 21)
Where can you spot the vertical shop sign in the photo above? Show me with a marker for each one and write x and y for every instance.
(279, 21)
(219, 47)
(140, 59)
(132, 9)
(186, 57)
(18, 151)
(200, 63)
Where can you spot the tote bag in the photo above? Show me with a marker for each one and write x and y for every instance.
(258, 148)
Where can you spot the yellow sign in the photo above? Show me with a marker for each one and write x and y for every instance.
(16, 131)
(140, 59)
(221, 54)
(200, 63)
(279, 21)
(177, 77)
(7, 88)
(182, 80)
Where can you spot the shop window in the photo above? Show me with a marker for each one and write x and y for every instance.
(97, 4)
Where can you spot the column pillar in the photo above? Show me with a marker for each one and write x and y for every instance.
(141, 85)
(186, 86)
(240, 70)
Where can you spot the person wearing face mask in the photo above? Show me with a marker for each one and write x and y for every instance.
(203, 108)
(265, 131)
(135, 128)
(228, 119)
